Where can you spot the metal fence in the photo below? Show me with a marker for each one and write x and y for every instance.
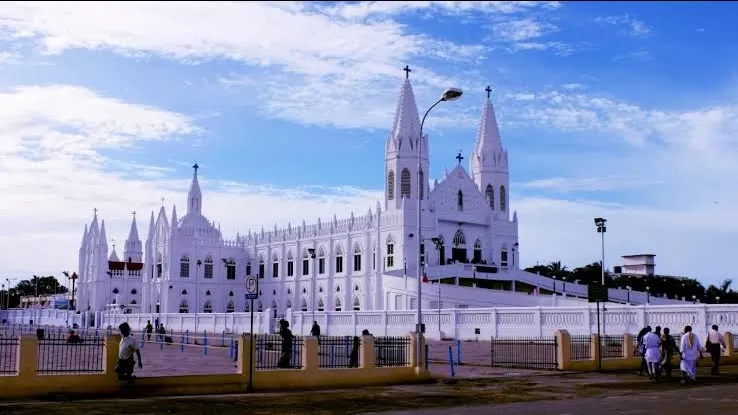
(612, 346)
(525, 352)
(580, 347)
(9, 356)
(391, 351)
(59, 355)
(273, 353)
(338, 351)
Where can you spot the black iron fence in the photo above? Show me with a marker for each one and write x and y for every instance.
(580, 347)
(612, 346)
(272, 352)
(338, 351)
(9, 356)
(60, 355)
(392, 351)
(525, 352)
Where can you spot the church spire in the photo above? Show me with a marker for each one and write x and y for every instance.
(406, 126)
(133, 250)
(194, 198)
(488, 136)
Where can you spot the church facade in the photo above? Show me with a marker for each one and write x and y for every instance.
(186, 266)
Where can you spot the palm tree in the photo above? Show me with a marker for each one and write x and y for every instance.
(556, 269)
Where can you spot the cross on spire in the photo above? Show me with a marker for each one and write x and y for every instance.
(162, 200)
(489, 90)
(407, 71)
(195, 167)
(95, 210)
(134, 214)
(113, 244)
(459, 157)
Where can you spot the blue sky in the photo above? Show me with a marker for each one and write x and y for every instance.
(619, 109)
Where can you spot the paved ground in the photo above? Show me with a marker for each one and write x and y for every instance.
(575, 394)
(680, 400)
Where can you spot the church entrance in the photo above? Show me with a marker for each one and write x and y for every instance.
(442, 255)
(458, 252)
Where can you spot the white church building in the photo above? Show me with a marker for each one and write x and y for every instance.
(360, 263)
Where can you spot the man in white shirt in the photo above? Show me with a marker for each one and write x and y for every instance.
(652, 343)
(691, 350)
(714, 345)
(127, 347)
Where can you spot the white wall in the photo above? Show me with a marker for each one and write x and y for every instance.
(457, 323)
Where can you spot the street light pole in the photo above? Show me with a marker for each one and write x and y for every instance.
(450, 94)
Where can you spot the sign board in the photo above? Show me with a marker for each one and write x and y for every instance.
(597, 293)
(252, 288)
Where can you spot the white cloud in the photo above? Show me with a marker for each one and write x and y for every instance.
(54, 175)
(588, 184)
(523, 29)
(630, 24)
(365, 9)
(350, 64)
(8, 57)
(639, 55)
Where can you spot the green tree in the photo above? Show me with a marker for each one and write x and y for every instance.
(44, 285)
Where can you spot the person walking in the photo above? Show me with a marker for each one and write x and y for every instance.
(715, 344)
(652, 344)
(691, 350)
(668, 349)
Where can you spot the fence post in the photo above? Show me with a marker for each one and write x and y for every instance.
(563, 350)
(451, 361)
(628, 348)
(367, 357)
(427, 353)
(595, 345)
(27, 357)
(309, 352)
(458, 352)
(205, 342)
(728, 337)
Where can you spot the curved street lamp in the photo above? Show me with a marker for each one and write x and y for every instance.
(450, 94)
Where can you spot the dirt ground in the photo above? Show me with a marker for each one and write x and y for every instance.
(448, 393)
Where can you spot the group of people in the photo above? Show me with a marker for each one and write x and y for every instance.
(657, 350)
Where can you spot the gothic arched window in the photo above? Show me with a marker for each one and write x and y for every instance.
(391, 185)
(490, 193)
(184, 267)
(503, 199)
(460, 200)
(184, 308)
(405, 183)
(290, 264)
(208, 267)
(357, 258)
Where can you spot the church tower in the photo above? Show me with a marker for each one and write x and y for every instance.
(401, 154)
(489, 163)
(133, 251)
(194, 197)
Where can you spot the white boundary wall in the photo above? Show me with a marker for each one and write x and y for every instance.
(455, 323)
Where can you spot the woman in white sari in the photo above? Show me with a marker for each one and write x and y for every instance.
(691, 350)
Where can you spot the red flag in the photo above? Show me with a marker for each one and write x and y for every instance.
(425, 278)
